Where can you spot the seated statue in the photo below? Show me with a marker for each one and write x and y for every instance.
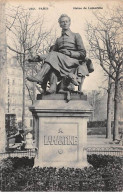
(65, 62)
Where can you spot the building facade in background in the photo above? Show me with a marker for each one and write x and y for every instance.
(14, 92)
(3, 58)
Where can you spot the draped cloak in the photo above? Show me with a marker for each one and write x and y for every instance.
(72, 62)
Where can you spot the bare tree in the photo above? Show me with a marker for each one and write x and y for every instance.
(106, 46)
(28, 35)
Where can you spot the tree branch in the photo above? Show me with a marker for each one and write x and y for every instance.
(14, 50)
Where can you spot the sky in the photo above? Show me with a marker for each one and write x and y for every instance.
(79, 11)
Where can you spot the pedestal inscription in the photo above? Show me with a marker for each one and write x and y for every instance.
(59, 140)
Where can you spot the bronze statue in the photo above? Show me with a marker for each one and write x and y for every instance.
(66, 62)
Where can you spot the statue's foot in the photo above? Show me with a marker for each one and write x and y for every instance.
(33, 79)
(42, 91)
(50, 91)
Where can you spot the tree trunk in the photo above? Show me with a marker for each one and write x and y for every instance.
(23, 108)
(116, 108)
(109, 108)
(3, 56)
(33, 93)
(33, 86)
(93, 114)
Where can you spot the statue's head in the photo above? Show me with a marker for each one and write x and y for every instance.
(64, 21)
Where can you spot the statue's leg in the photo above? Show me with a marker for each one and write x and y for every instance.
(41, 74)
(62, 85)
(71, 87)
(73, 78)
(66, 85)
(44, 85)
(53, 82)
(81, 84)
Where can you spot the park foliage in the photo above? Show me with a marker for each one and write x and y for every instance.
(104, 174)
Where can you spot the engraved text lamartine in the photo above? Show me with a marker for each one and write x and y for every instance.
(60, 140)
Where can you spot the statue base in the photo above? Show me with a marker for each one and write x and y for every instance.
(62, 96)
(61, 132)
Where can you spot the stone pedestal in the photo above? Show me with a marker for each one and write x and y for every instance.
(61, 132)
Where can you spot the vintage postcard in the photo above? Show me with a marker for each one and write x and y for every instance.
(61, 101)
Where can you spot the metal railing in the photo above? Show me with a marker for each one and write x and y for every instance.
(25, 153)
(105, 151)
(90, 150)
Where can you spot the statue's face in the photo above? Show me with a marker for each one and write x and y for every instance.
(65, 23)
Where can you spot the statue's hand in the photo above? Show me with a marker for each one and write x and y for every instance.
(65, 51)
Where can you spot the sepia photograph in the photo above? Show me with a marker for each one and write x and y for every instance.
(61, 100)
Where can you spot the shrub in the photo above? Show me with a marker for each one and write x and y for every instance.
(22, 162)
(91, 124)
(112, 175)
(102, 160)
(6, 165)
(106, 175)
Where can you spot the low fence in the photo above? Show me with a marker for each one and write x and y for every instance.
(90, 150)
(105, 151)
(25, 153)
